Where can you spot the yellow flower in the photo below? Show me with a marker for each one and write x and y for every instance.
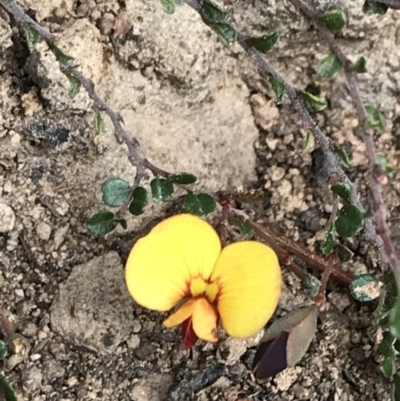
(181, 262)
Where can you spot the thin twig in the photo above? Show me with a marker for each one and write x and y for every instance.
(332, 161)
(283, 246)
(387, 250)
(135, 157)
(320, 298)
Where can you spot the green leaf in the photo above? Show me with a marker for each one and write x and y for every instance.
(244, 227)
(365, 288)
(386, 347)
(99, 123)
(310, 286)
(349, 222)
(374, 119)
(396, 382)
(277, 87)
(386, 166)
(344, 254)
(343, 189)
(169, 6)
(75, 85)
(329, 67)
(31, 35)
(387, 367)
(226, 31)
(201, 204)
(334, 20)
(360, 66)
(213, 12)
(308, 142)
(315, 102)
(7, 389)
(101, 222)
(264, 43)
(374, 7)
(395, 319)
(60, 55)
(161, 190)
(139, 201)
(344, 157)
(182, 178)
(3, 350)
(327, 243)
(115, 191)
(122, 222)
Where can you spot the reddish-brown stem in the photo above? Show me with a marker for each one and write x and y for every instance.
(320, 298)
(287, 260)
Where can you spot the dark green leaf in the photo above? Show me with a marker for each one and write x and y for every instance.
(123, 223)
(329, 67)
(386, 166)
(315, 102)
(201, 204)
(344, 157)
(99, 123)
(349, 222)
(310, 286)
(101, 222)
(7, 389)
(360, 66)
(334, 20)
(139, 201)
(395, 319)
(3, 350)
(161, 190)
(75, 85)
(365, 288)
(213, 12)
(343, 189)
(226, 31)
(386, 347)
(31, 35)
(244, 227)
(390, 283)
(183, 178)
(309, 140)
(115, 191)
(60, 55)
(387, 367)
(327, 243)
(277, 87)
(169, 6)
(344, 253)
(264, 43)
(374, 119)
(374, 7)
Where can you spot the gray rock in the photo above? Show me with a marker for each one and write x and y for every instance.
(7, 218)
(152, 388)
(93, 308)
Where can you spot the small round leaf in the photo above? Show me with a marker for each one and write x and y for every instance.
(3, 350)
(327, 243)
(365, 288)
(101, 223)
(8, 391)
(329, 67)
(183, 178)
(344, 253)
(349, 222)
(265, 43)
(244, 227)
(226, 31)
(139, 201)
(374, 118)
(342, 189)
(315, 102)
(201, 204)
(360, 66)
(278, 88)
(161, 190)
(115, 191)
(334, 20)
(395, 319)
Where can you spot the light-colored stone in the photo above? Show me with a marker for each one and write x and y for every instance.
(93, 308)
(152, 388)
(7, 218)
(43, 231)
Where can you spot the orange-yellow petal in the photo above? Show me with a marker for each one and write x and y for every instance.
(205, 320)
(183, 313)
(249, 276)
(161, 264)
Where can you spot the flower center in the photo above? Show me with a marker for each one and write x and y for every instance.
(200, 287)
